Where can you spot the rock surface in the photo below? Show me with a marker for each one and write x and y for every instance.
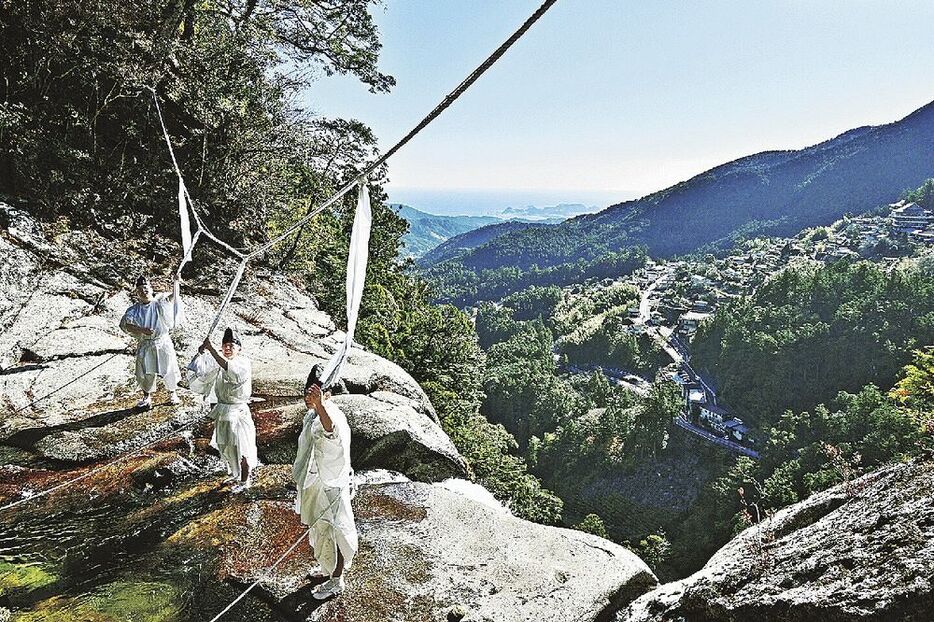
(424, 550)
(59, 322)
(863, 551)
(158, 534)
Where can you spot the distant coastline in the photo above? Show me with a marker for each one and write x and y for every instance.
(494, 202)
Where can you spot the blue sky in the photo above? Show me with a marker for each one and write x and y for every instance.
(606, 99)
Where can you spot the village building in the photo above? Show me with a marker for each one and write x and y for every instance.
(689, 322)
(714, 416)
(737, 430)
(910, 218)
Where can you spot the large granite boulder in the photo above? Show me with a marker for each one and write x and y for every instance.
(388, 433)
(391, 433)
(59, 326)
(426, 552)
(860, 551)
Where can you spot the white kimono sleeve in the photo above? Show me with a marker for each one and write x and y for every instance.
(331, 451)
(202, 373)
(331, 459)
(129, 318)
(238, 370)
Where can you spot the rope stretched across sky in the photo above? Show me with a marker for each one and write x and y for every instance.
(431, 116)
(245, 258)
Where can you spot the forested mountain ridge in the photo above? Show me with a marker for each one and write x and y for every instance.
(427, 231)
(465, 242)
(774, 192)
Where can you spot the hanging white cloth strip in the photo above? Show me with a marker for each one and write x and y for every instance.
(356, 278)
(183, 190)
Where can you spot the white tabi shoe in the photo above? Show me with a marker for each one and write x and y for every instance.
(331, 587)
(241, 486)
(174, 399)
(145, 403)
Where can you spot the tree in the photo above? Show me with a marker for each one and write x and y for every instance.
(80, 140)
(654, 549)
(650, 432)
(592, 523)
(494, 324)
(916, 387)
(923, 196)
(79, 134)
(810, 332)
(534, 302)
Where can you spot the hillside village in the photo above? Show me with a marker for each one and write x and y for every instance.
(678, 296)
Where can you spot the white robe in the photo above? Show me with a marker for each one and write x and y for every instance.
(323, 477)
(155, 354)
(234, 432)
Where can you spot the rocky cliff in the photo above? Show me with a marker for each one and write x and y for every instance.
(152, 532)
(861, 551)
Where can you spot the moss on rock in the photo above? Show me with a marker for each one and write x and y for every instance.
(25, 577)
(121, 601)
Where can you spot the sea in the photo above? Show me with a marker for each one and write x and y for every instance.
(504, 203)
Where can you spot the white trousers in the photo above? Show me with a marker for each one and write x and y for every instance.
(147, 382)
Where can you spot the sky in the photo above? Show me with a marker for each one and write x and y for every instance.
(606, 100)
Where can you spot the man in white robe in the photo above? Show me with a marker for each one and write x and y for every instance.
(323, 477)
(150, 321)
(227, 376)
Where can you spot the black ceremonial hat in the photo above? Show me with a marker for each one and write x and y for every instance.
(231, 337)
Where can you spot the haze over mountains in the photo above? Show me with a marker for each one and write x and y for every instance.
(427, 231)
(773, 193)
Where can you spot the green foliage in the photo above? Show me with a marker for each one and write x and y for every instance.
(489, 449)
(592, 523)
(439, 345)
(605, 340)
(809, 332)
(923, 196)
(522, 391)
(534, 302)
(650, 430)
(464, 285)
(915, 389)
(795, 463)
(808, 452)
(78, 134)
(713, 519)
(626, 430)
(654, 549)
(494, 324)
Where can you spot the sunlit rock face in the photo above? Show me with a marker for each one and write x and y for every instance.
(425, 552)
(860, 551)
(152, 530)
(59, 319)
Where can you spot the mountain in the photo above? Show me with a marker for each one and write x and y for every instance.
(774, 192)
(426, 231)
(470, 240)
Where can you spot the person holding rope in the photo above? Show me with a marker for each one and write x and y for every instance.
(324, 479)
(227, 376)
(150, 320)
